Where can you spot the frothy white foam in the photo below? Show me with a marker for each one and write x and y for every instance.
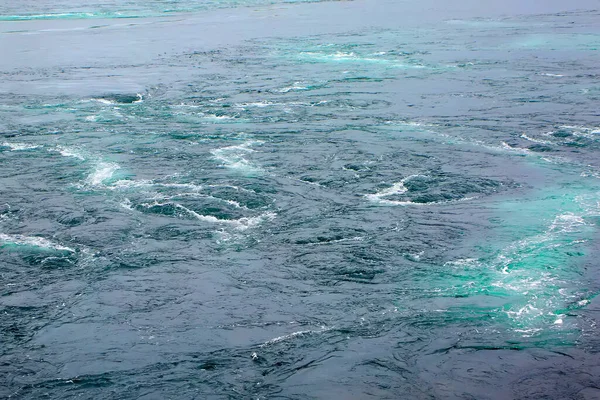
(21, 240)
(234, 157)
(463, 262)
(139, 99)
(552, 75)
(568, 222)
(241, 224)
(396, 188)
(583, 131)
(20, 146)
(258, 104)
(217, 118)
(294, 335)
(508, 147)
(534, 140)
(125, 184)
(70, 152)
(294, 87)
(103, 172)
(105, 101)
(126, 204)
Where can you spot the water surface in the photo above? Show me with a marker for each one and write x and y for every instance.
(258, 199)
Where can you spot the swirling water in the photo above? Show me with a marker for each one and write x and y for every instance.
(257, 199)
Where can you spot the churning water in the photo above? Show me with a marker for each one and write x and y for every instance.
(258, 199)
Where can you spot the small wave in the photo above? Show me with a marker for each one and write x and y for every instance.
(34, 241)
(20, 146)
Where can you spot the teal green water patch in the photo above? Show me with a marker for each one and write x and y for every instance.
(557, 41)
(530, 269)
(483, 23)
(67, 15)
(142, 10)
(526, 276)
(108, 111)
(22, 242)
(358, 55)
(357, 58)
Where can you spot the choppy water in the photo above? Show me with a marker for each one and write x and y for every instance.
(255, 199)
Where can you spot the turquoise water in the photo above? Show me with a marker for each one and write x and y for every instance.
(259, 199)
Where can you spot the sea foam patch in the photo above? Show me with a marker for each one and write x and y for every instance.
(33, 242)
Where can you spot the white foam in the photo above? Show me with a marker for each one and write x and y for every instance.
(293, 335)
(189, 186)
(508, 147)
(258, 104)
(462, 262)
(241, 224)
(250, 222)
(128, 184)
(105, 101)
(214, 117)
(35, 241)
(70, 152)
(126, 204)
(234, 157)
(103, 172)
(239, 189)
(552, 75)
(341, 56)
(114, 102)
(294, 87)
(568, 222)
(583, 131)
(540, 141)
(20, 146)
(351, 239)
(398, 188)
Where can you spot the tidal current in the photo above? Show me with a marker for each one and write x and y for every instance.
(255, 199)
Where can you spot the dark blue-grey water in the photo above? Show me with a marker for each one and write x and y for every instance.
(255, 199)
